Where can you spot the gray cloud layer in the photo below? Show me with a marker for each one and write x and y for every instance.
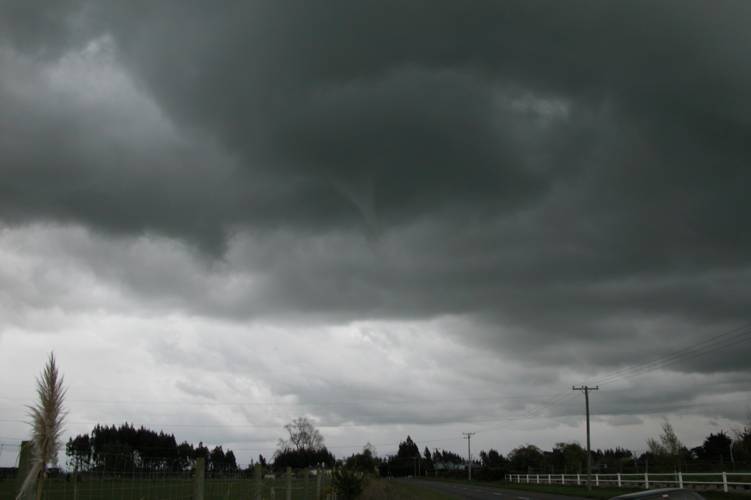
(569, 178)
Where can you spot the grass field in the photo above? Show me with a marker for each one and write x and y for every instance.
(611, 492)
(384, 489)
(242, 489)
(598, 493)
(238, 489)
(166, 489)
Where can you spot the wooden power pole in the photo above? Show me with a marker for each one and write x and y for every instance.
(468, 437)
(586, 390)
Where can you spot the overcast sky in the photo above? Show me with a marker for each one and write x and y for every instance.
(423, 217)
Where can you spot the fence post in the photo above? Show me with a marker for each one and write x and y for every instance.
(307, 478)
(550, 480)
(578, 479)
(646, 480)
(199, 478)
(538, 479)
(597, 480)
(680, 479)
(725, 482)
(75, 484)
(258, 479)
(563, 479)
(24, 464)
(619, 479)
(289, 483)
(318, 483)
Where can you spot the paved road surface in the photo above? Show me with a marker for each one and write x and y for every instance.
(477, 492)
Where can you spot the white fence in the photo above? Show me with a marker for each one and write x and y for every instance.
(725, 481)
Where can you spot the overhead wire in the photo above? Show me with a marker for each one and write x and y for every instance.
(731, 338)
(735, 336)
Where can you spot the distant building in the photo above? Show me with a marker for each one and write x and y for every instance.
(448, 466)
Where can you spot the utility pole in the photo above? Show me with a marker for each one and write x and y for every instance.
(468, 437)
(586, 390)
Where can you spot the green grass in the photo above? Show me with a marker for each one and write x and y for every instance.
(164, 489)
(581, 491)
(605, 492)
(385, 489)
(216, 489)
(242, 489)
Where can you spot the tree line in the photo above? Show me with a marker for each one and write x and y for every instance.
(124, 448)
(127, 448)
(665, 453)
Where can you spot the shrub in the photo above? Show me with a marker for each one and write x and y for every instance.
(348, 483)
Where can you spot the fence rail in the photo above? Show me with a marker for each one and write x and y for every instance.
(725, 481)
(194, 484)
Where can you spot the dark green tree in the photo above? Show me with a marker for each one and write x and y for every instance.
(404, 463)
(716, 448)
(742, 446)
(216, 460)
(427, 461)
(365, 461)
(184, 456)
(408, 449)
(569, 457)
(230, 462)
(492, 459)
(127, 448)
(78, 449)
(304, 458)
(348, 483)
(526, 459)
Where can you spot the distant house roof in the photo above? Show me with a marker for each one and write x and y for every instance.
(448, 466)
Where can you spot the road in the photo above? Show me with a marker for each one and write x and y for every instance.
(477, 492)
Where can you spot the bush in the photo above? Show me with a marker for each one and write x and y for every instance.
(348, 483)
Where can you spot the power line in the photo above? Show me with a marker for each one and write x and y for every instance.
(726, 339)
(734, 337)
(738, 335)
(280, 426)
(731, 338)
(349, 402)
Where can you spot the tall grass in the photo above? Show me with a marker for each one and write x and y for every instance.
(47, 424)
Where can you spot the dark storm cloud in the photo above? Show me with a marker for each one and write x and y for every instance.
(41, 27)
(386, 111)
(569, 171)
(335, 120)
